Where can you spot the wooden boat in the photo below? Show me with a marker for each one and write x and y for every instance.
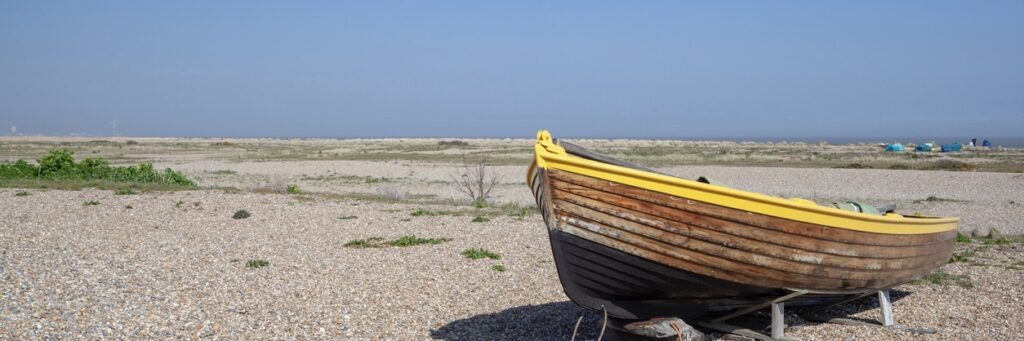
(642, 244)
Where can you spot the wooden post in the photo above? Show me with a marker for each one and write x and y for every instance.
(778, 320)
(886, 305)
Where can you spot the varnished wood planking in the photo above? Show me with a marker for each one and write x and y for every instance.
(651, 198)
(790, 249)
(574, 200)
(744, 252)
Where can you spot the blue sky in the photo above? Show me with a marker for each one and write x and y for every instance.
(482, 68)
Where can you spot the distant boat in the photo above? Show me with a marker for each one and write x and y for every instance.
(642, 244)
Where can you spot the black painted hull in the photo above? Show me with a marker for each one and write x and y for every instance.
(629, 287)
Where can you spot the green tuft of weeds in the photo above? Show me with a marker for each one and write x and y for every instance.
(413, 240)
(963, 256)
(962, 238)
(480, 219)
(404, 241)
(944, 279)
(478, 253)
(348, 217)
(125, 191)
(499, 268)
(179, 204)
(294, 189)
(22, 194)
(90, 203)
(419, 212)
(257, 263)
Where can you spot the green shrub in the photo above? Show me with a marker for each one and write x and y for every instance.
(404, 241)
(241, 214)
(348, 217)
(59, 164)
(21, 194)
(477, 253)
(480, 219)
(498, 268)
(257, 263)
(294, 189)
(962, 238)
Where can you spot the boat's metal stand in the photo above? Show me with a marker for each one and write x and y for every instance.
(778, 327)
(885, 305)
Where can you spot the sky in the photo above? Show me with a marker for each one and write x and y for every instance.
(651, 69)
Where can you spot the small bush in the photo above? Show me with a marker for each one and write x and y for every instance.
(480, 219)
(21, 194)
(294, 189)
(257, 263)
(241, 214)
(498, 268)
(125, 191)
(477, 253)
(90, 203)
(60, 164)
(476, 182)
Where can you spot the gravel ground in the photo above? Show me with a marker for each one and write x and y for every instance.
(167, 270)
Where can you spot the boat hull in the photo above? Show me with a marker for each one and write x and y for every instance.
(642, 254)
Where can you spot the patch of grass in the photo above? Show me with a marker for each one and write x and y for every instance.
(962, 238)
(953, 165)
(241, 214)
(90, 203)
(1018, 265)
(944, 279)
(453, 143)
(22, 194)
(419, 212)
(963, 256)
(932, 198)
(257, 263)
(125, 191)
(498, 268)
(413, 240)
(480, 219)
(372, 242)
(404, 241)
(294, 189)
(477, 253)
(348, 217)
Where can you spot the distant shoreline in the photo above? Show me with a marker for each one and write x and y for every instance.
(1008, 142)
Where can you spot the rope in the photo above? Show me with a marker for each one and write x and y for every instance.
(577, 327)
(603, 324)
(677, 329)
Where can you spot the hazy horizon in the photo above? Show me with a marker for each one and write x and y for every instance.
(467, 69)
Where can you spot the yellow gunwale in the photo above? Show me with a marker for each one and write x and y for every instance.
(549, 155)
